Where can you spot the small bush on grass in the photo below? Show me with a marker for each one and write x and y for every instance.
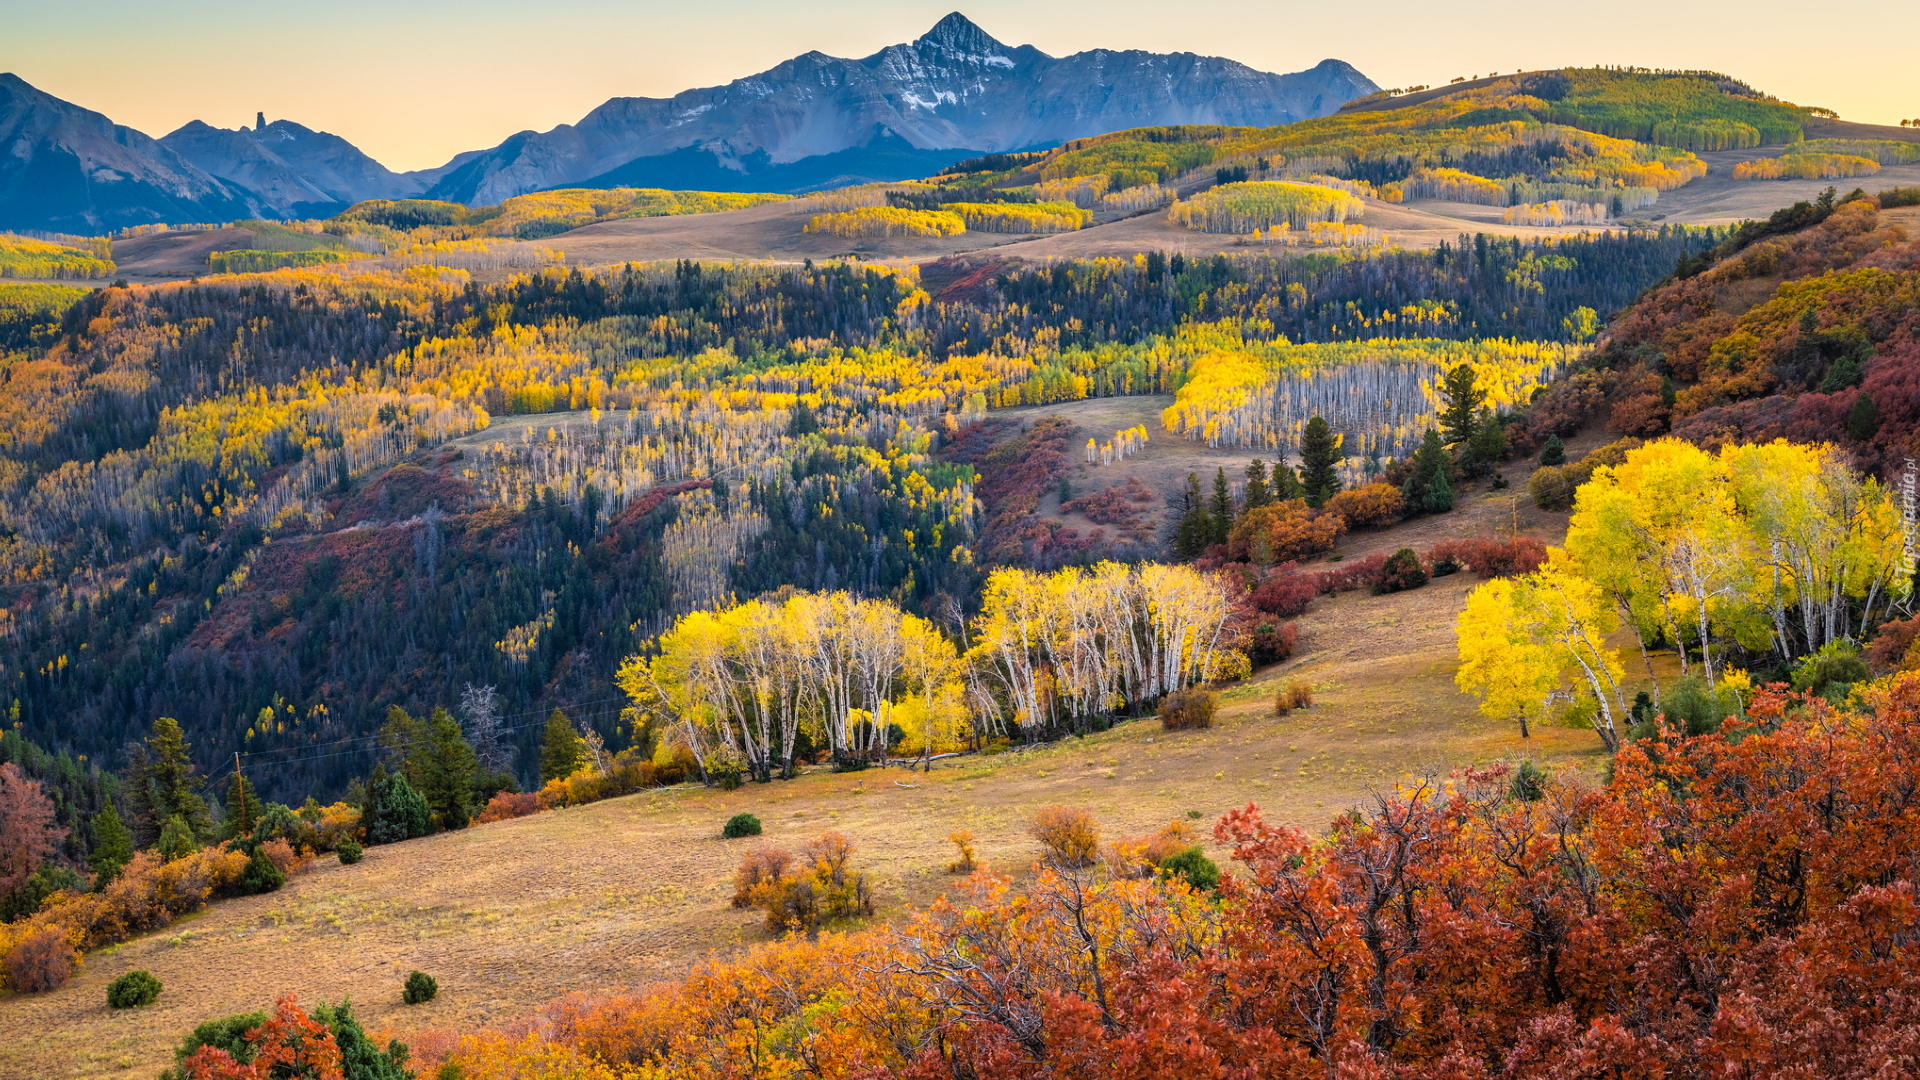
(420, 989)
(1069, 834)
(1401, 572)
(740, 825)
(962, 839)
(762, 866)
(1295, 695)
(42, 961)
(261, 875)
(350, 851)
(1272, 642)
(1193, 867)
(509, 804)
(1187, 710)
(1285, 591)
(824, 888)
(132, 990)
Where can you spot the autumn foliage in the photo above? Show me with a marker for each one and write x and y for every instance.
(1282, 531)
(1724, 906)
(1369, 504)
(806, 893)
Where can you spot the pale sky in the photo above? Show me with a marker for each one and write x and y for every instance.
(412, 82)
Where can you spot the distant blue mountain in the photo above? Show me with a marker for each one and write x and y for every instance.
(953, 93)
(812, 122)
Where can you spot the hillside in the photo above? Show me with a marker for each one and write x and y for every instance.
(510, 915)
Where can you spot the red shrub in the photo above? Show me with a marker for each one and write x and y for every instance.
(1271, 643)
(1489, 557)
(1353, 574)
(1891, 645)
(1286, 591)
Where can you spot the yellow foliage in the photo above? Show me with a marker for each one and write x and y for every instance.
(888, 221)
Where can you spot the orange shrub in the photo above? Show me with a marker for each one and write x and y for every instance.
(42, 960)
(1283, 530)
(1171, 839)
(509, 804)
(1371, 504)
(763, 867)
(1069, 834)
(284, 857)
(824, 889)
(148, 894)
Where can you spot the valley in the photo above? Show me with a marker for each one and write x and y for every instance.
(966, 562)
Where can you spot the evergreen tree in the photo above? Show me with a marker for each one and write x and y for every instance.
(243, 808)
(447, 774)
(1319, 457)
(1488, 446)
(1863, 420)
(560, 750)
(112, 845)
(1257, 493)
(395, 810)
(1286, 485)
(176, 839)
(162, 785)
(360, 1059)
(1554, 453)
(405, 741)
(1191, 534)
(1464, 398)
(1220, 509)
(1428, 462)
(1439, 493)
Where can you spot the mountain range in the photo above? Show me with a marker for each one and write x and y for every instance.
(812, 122)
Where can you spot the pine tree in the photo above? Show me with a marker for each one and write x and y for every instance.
(162, 785)
(1319, 456)
(395, 811)
(1286, 484)
(1428, 462)
(1863, 421)
(360, 1057)
(560, 749)
(1220, 509)
(1257, 493)
(1464, 398)
(1190, 536)
(243, 808)
(405, 741)
(447, 774)
(112, 845)
(1488, 446)
(176, 839)
(1554, 453)
(1439, 493)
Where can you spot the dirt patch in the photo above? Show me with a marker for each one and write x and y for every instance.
(171, 255)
